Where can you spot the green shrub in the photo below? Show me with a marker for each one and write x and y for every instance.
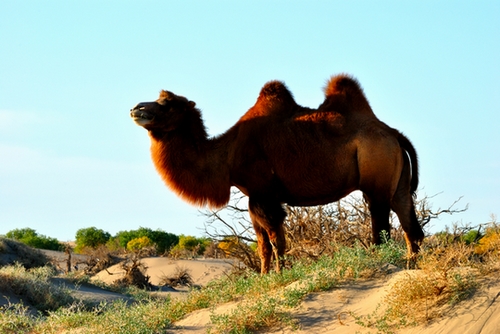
(163, 241)
(91, 237)
(31, 238)
(189, 246)
(471, 237)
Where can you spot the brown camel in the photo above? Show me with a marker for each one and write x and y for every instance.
(280, 152)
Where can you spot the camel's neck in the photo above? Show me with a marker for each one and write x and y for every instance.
(192, 165)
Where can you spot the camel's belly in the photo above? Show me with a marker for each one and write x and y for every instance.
(317, 198)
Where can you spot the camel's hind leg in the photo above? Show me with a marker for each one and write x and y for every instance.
(267, 218)
(379, 212)
(403, 206)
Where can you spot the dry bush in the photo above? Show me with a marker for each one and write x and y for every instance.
(146, 252)
(232, 223)
(311, 231)
(182, 253)
(448, 274)
(135, 275)
(99, 259)
(181, 276)
(213, 251)
(451, 268)
(233, 247)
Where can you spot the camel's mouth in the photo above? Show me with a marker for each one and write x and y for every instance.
(140, 115)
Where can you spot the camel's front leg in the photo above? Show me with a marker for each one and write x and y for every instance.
(264, 247)
(267, 218)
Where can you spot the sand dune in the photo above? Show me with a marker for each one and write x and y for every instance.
(331, 312)
(202, 271)
(322, 312)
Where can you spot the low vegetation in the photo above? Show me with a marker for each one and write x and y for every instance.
(19, 252)
(30, 237)
(448, 274)
(34, 287)
(327, 249)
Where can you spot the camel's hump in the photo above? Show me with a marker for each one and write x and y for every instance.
(277, 91)
(342, 84)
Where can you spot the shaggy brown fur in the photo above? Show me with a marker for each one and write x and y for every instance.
(280, 152)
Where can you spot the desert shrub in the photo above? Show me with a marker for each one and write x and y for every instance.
(135, 275)
(181, 276)
(18, 252)
(191, 243)
(91, 237)
(229, 245)
(490, 243)
(188, 242)
(213, 251)
(138, 243)
(447, 275)
(148, 316)
(99, 259)
(34, 286)
(114, 246)
(15, 318)
(311, 232)
(392, 252)
(189, 246)
(471, 237)
(31, 238)
(235, 248)
(162, 240)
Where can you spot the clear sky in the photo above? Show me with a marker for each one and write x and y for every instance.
(71, 157)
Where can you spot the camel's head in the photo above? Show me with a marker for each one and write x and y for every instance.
(164, 113)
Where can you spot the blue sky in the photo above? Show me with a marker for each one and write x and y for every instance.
(71, 157)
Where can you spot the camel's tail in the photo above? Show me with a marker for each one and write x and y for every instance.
(408, 147)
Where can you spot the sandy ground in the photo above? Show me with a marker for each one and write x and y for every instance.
(324, 312)
(202, 271)
(330, 312)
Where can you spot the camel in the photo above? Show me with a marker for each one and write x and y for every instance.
(280, 152)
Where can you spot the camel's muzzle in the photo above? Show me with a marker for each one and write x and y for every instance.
(140, 115)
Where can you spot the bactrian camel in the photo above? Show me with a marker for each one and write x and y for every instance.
(279, 152)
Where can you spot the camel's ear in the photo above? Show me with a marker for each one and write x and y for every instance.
(191, 104)
(165, 94)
